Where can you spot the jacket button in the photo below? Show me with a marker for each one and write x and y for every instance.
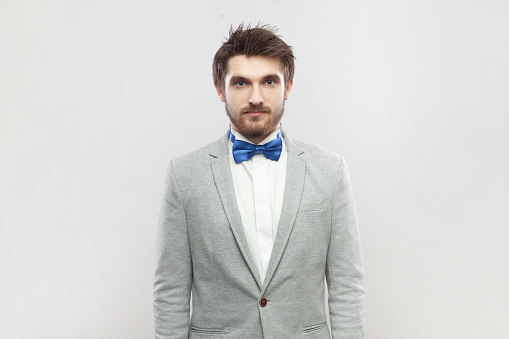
(263, 302)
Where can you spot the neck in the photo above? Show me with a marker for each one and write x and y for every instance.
(255, 139)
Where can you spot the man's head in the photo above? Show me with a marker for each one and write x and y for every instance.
(253, 75)
(260, 40)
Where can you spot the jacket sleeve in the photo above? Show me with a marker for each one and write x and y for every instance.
(344, 274)
(173, 275)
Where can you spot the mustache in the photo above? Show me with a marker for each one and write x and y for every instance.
(259, 107)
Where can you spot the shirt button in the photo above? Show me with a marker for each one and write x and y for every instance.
(263, 302)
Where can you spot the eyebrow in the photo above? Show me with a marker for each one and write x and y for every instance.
(237, 78)
(272, 76)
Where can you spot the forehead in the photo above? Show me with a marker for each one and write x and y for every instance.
(252, 67)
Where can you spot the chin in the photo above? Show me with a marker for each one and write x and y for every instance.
(257, 129)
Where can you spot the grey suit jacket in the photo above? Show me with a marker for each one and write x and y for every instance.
(202, 248)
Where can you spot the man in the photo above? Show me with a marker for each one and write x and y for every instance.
(251, 223)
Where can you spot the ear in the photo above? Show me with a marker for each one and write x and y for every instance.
(220, 92)
(288, 89)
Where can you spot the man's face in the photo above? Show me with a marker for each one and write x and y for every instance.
(254, 95)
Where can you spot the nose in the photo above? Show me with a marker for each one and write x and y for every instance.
(256, 95)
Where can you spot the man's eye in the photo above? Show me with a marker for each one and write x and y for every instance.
(240, 84)
(270, 82)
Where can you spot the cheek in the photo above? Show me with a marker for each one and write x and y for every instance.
(237, 99)
(276, 97)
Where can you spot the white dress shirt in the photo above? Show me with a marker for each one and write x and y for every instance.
(259, 188)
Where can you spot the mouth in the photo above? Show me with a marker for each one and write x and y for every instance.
(255, 114)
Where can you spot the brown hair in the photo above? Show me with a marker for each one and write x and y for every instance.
(259, 40)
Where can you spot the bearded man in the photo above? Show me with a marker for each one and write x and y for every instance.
(252, 223)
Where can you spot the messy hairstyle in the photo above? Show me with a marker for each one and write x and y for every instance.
(259, 40)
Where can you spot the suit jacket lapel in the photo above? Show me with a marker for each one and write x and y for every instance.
(224, 184)
(295, 173)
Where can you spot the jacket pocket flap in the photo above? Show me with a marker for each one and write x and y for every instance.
(313, 328)
(206, 330)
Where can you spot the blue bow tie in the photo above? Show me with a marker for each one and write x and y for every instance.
(243, 151)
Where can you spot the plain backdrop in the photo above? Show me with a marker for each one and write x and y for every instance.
(97, 96)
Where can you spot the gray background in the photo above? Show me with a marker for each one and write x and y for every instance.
(97, 96)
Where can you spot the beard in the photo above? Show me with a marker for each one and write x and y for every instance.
(256, 127)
